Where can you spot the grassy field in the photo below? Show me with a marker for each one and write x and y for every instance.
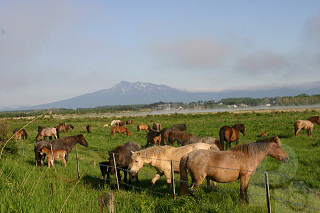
(295, 186)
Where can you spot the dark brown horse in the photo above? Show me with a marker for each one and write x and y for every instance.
(306, 124)
(153, 137)
(231, 134)
(165, 132)
(182, 137)
(88, 128)
(240, 162)
(122, 157)
(156, 126)
(105, 170)
(66, 144)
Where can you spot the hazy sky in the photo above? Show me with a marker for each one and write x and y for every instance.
(54, 50)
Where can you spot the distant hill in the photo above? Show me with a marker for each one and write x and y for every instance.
(126, 93)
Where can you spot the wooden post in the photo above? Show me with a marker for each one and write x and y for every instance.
(101, 204)
(78, 167)
(51, 189)
(110, 202)
(24, 157)
(53, 158)
(267, 191)
(115, 169)
(172, 180)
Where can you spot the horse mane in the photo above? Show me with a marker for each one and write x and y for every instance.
(238, 126)
(314, 119)
(158, 151)
(253, 148)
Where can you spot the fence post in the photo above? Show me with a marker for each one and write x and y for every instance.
(52, 158)
(267, 191)
(101, 204)
(115, 169)
(78, 167)
(172, 180)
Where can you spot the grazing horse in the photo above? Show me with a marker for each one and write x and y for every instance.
(160, 157)
(88, 128)
(208, 140)
(156, 126)
(62, 127)
(153, 137)
(122, 157)
(182, 137)
(120, 130)
(129, 122)
(306, 125)
(48, 132)
(115, 122)
(20, 134)
(240, 162)
(145, 127)
(231, 134)
(57, 154)
(66, 144)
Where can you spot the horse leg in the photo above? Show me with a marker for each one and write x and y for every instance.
(167, 173)
(156, 177)
(244, 180)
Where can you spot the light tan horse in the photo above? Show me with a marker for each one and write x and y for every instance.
(143, 127)
(306, 125)
(240, 162)
(57, 154)
(160, 157)
(47, 132)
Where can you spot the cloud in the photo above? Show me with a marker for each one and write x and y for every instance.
(192, 54)
(262, 62)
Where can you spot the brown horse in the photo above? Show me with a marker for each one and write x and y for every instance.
(231, 134)
(47, 132)
(122, 157)
(144, 127)
(57, 154)
(20, 134)
(306, 125)
(156, 126)
(66, 143)
(160, 157)
(153, 137)
(120, 130)
(208, 140)
(88, 128)
(182, 137)
(240, 162)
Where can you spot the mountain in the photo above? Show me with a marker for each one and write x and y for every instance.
(126, 93)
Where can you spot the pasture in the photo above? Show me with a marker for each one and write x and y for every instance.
(294, 186)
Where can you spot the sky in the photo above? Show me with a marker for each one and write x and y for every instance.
(55, 49)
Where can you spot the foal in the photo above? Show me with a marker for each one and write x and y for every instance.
(58, 154)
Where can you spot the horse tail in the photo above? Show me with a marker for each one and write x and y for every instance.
(184, 175)
(221, 134)
(58, 134)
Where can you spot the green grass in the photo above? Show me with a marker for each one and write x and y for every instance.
(26, 188)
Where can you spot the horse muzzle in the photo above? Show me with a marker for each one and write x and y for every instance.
(133, 173)
(285, 159)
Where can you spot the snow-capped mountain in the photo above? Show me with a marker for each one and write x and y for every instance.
(127, 93)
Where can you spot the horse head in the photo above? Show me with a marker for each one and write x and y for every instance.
(82, 140)
(136, 163)
(276, 150)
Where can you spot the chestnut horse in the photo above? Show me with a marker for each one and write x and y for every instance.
(160, 157)
(240, 162)
(20, 134)
(306, 125)
(120, 130)
(145, 127)
(231, 134)
(57, 154)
